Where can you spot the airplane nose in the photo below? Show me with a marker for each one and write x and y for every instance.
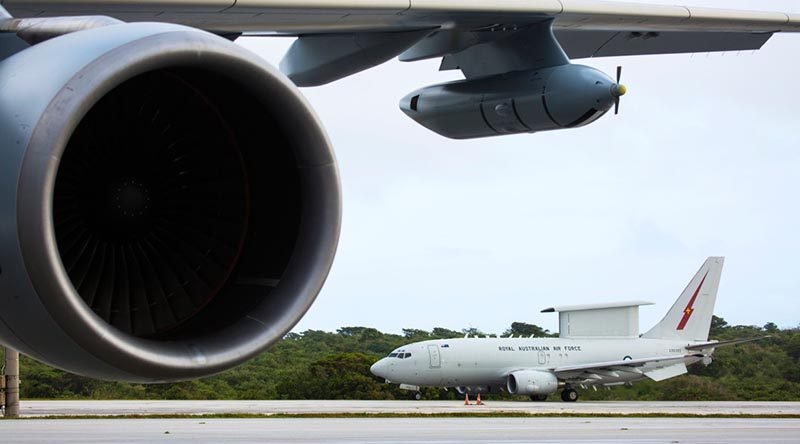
(377, 369)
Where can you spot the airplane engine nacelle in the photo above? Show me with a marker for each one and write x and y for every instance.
(565, 96)
(531, 382)
(169, 203)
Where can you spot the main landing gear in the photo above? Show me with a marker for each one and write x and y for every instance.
(538, 398)
(569, 395)
(416, 396)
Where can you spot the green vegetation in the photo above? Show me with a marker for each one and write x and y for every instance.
(322, 365)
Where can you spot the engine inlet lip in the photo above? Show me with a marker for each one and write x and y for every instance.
(138, 359)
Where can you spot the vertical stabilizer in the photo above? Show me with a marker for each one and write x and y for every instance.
(690, 316)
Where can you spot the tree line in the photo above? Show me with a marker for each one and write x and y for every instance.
(317, 364)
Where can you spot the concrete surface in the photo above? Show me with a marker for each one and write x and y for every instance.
(393, 430)
(46, 408)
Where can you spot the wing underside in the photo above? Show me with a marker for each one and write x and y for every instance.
(582, 44)
(298, 17)
(341, 37)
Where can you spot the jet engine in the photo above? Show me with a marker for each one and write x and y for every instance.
(169, 203)
(531, 382)
(566, 96)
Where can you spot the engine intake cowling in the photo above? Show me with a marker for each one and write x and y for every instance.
(169, 203)
(565, 96)
(531, 382)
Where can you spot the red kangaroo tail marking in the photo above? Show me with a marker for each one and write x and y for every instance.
(687, 312)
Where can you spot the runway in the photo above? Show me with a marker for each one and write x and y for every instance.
(116, 408)
(394, 430)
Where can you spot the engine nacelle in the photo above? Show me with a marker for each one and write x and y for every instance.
(531, 382)
(565, 96)
(169, 203)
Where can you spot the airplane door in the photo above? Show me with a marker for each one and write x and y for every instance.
(542, 358)
(433, 351)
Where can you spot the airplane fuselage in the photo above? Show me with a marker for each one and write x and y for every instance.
(463, 362)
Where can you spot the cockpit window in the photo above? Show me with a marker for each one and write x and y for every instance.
(399, 355)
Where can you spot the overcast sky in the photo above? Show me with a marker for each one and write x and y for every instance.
(704, 159)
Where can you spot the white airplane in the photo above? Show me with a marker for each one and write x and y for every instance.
(170, 203)
(598, 345)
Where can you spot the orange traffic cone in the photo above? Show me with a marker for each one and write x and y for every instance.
(466, 399)
(479, 400)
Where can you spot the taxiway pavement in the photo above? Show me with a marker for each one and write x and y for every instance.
(394, 430)
(115, 408)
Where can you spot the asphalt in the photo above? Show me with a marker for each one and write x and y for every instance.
(393, 430)
(106, 408)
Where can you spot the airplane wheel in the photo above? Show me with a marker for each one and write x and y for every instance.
(538, 398)
(569, 395)
(416, 396)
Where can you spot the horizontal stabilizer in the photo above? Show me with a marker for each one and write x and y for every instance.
(717, 344)
(667, 372)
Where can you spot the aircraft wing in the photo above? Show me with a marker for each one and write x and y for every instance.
(325, 16)
(482, 38)
(657, 368)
